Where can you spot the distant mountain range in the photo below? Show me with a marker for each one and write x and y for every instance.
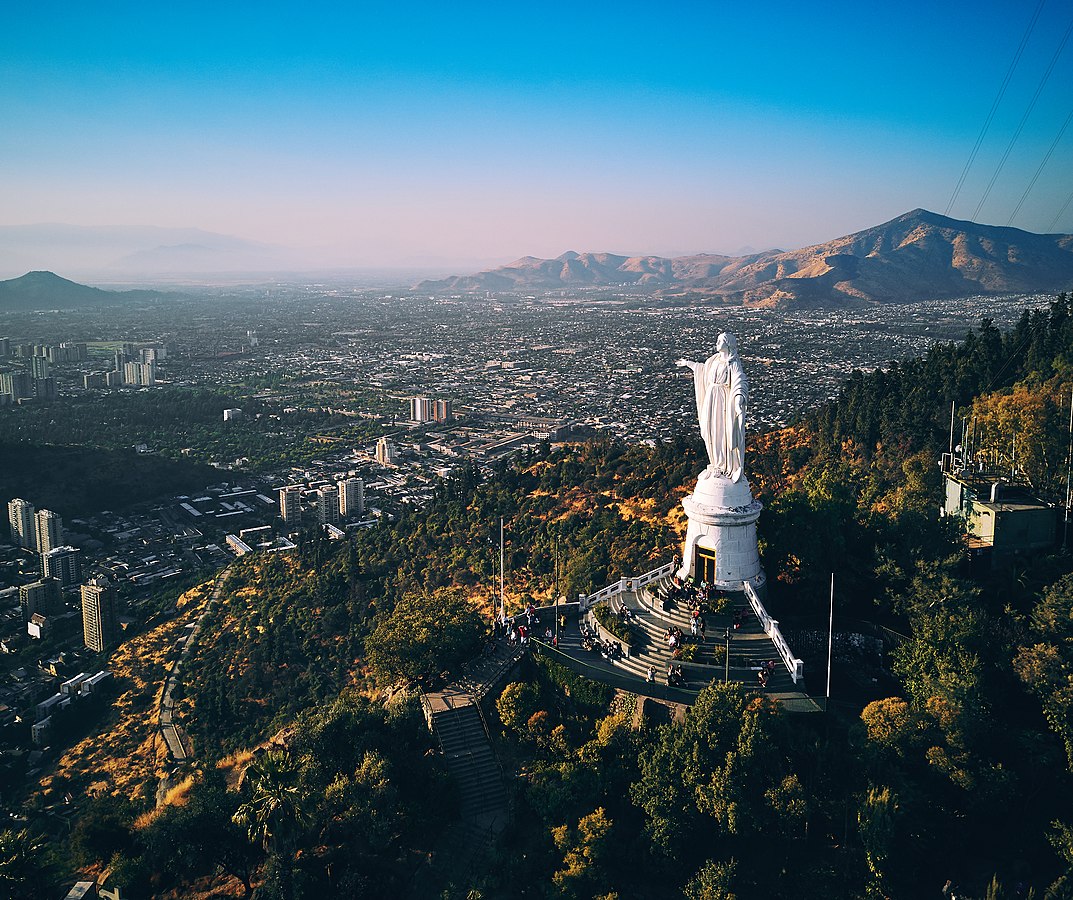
(45, 290)
(114, 250)
(919, 255)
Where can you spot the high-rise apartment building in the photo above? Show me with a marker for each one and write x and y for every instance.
(64, 564)
(20, 516)
(290, 504)
(44, 597)
(352, 498)
(141, 374)
(328, 506)
(100, 620)
(420, 409)
(385, 452)
(48, 528)
(39, 367)
(76, 351)
(442, 411)
(45, 388)
(5, 347)
(16, 385)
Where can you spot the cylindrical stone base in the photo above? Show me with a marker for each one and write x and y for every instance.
(720, 545)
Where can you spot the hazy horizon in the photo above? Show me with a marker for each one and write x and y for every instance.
(444, 140)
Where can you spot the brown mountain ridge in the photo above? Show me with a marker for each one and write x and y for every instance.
(917, 256)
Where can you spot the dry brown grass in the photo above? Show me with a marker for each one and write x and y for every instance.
(125, 755)
(233, 765)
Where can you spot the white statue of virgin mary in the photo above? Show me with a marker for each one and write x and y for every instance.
(722, 393)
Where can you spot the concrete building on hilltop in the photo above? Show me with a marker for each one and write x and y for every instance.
(1000, 518)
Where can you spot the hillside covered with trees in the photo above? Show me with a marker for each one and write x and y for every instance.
(957, 769)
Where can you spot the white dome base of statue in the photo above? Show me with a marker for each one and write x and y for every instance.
(720, 546)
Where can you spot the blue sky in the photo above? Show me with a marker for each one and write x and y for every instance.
(377, 134)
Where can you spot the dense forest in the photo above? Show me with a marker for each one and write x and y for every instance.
(170, 420)
(955, 775)
(72, 479)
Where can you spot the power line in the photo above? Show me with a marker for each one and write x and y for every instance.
(1024, 119)
(1042, 165)
(1061, 212)
(994, 107)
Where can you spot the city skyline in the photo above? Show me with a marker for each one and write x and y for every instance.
(432, 136)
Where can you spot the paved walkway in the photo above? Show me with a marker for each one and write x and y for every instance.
(171, 732)
(750, 647)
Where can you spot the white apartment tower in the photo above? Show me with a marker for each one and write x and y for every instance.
(137, 373)
(420, 409)
(48, 528)
(20, 515)
(352, 498)
(290, 504)
(100, 621)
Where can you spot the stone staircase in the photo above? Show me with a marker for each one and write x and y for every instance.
(465, 848)
(467, 750)
(749, 645)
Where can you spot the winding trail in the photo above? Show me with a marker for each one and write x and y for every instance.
(170, 731)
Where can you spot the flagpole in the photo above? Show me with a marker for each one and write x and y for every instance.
(830, 639)
(1069, 460)
(555, 568)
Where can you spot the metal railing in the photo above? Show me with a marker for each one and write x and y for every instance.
(625, 585)
(794, 666)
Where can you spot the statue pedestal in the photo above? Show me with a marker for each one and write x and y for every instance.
(720, 545)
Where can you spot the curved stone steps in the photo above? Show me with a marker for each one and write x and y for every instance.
(748, 644)
(698, 673)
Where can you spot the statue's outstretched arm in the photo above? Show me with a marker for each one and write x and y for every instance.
(685, 363)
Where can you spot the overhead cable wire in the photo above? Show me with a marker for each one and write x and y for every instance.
(1042, 165)
(994, 107)
(1061, 212)
(1024, 119)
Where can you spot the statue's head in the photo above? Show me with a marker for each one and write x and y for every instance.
(727, 342)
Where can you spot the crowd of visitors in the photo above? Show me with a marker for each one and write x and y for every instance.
(521, 628)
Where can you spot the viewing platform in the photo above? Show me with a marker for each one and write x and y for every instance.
(753, 645)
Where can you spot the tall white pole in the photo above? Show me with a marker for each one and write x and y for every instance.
(1069, 461)
(555, 588)
(830, 637)
(951, 435)
(502, 589)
